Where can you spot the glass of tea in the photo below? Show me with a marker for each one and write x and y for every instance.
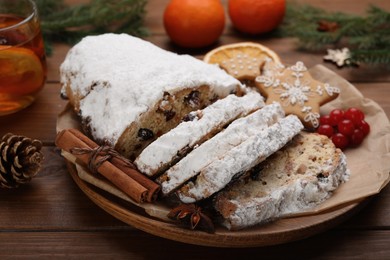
(22, 55)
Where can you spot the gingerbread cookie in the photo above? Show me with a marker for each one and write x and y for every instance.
(295, 89)
(243, 67)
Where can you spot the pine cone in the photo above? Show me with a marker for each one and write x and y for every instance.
(20, 160)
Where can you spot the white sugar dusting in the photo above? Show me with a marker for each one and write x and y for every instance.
(119, 77)
(298, 196)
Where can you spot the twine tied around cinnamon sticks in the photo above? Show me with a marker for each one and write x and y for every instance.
(99, 155)
(110, 164)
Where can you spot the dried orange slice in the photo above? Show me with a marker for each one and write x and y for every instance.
(21, 71)
(241, 60)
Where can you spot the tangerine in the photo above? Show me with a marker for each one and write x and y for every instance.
(194, 24)
(256, 16)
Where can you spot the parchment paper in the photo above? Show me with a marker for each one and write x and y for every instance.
(369, 163)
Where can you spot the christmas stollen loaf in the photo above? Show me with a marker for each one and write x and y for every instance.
(298, 177)
(128, 92)
(198, 126)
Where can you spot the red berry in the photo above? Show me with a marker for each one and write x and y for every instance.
(325, 130)
(357, 137)
(354, 114)
(364, 126)
(340, 140)
(325, 120)
(346, 127)
(336, 115)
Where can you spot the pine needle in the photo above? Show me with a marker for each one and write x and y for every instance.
(62, 23)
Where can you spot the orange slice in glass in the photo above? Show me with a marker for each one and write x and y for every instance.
(21, 71)
(241, 60)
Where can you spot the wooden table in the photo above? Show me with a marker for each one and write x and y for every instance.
(51, 217)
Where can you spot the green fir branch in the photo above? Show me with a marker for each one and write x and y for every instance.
(368, 37)
(371, 56)
(47, 7)
(62, 23)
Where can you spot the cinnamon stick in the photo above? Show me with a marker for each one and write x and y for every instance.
(68, 141)
(152, 187)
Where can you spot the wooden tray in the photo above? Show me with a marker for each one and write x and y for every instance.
(279, 232)
(369, 177)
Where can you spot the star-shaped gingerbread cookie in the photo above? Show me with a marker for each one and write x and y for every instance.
(244, 67)
(297, 92)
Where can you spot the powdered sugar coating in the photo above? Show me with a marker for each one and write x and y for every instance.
(186, 135)
(241, 158)
(215, 148)
(119, 77)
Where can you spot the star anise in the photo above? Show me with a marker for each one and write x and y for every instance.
(191, 216)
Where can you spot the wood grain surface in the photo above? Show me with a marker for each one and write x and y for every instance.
(52, 217)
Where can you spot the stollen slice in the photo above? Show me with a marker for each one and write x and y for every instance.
(298, 177)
